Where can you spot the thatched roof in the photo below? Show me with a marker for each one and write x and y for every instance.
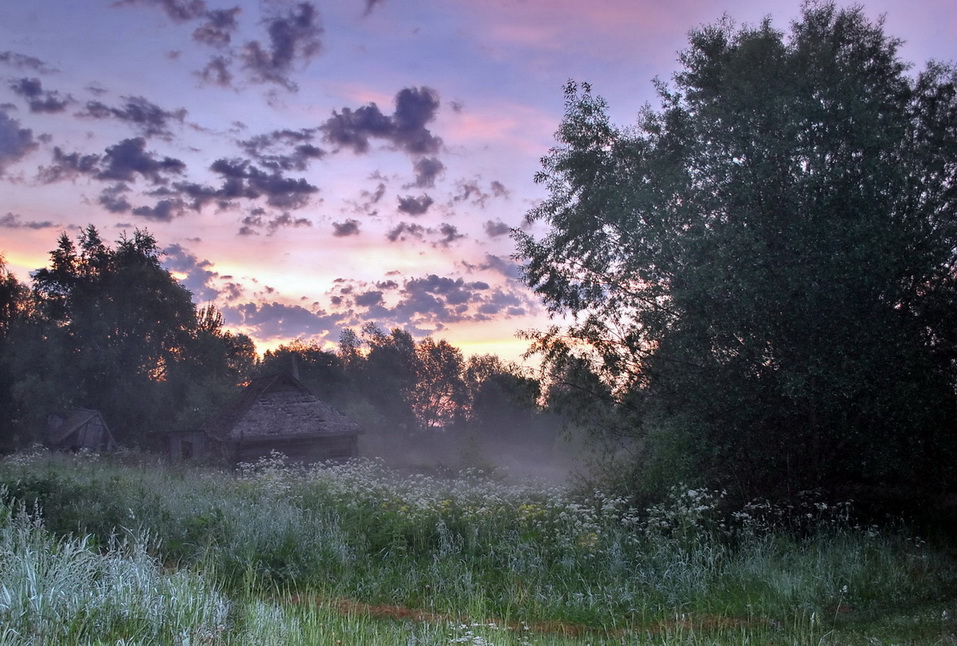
(279, 406)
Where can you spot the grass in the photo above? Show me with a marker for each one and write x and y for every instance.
(130, 551)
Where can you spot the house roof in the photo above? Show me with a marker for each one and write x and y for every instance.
(325, 419)
(74, 422)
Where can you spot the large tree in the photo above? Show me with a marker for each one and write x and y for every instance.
(764, 266)
(112, 329)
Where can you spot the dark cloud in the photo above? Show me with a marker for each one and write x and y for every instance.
(415, 205)
(284, 150)
(67, 166)
(454, 291)
(352, 129)
(496, 229)
(430, 301)
(177, 10)
(372, 4)
(445, 234)
(129, 158)
(219, 27)
(427, 169)
(507, 268)
(436, 300)
(469, 190)
(405, 230)
(369, 299)
(498, 189)
(15, 142)
(113, 198)
(217, 72)
(376, 195)
(244, 180)
(405, 129)
(415, 107)
(13, 221)
(38, 99)
(199, 275)
(277, 320)
(258, 219)
(500, 302)
(232, 291)
(344, 229)
(147, 117)
(20, 61)
(369, 200)
(162, 211)
(449, 234)
(293, 37)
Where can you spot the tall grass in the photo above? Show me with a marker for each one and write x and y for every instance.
(276, 551)
(60, 591)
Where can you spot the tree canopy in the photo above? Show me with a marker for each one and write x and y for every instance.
(764, 266)
(109, 328)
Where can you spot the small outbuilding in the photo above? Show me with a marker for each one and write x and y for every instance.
(83, 429)
(278, 413)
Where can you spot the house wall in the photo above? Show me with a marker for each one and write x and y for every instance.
(185, 446)
(93, 435)
(306, 450)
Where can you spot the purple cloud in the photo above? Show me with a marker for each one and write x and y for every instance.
(293, 37)
(344, 229)
(404, 129)
(15, 142)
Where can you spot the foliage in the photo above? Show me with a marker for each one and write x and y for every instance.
(14, 302)
(13, 299)
(109, 328)
(439, 399)
(320, 370)
(763, 270)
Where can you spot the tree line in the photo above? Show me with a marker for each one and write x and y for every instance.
(108, 328)
(762, 272)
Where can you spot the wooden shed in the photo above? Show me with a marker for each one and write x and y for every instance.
(278, 413)
(83, 429)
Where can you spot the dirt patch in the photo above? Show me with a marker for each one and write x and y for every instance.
(703, 623)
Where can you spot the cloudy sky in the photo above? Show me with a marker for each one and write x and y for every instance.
(313, 165)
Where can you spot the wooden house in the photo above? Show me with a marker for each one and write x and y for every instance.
(83, 429)
(278, 413)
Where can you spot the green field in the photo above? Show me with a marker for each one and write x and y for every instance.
(123, 550)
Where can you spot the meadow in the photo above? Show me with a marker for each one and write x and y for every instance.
(127, 550)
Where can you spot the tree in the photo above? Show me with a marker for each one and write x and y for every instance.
(115, 331)
(14, 306)
(765, 266)
(439, 398)
(503, 401)
(320, 370)
(14, 297)
(385, 376)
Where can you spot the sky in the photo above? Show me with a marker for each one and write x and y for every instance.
(310, 166)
